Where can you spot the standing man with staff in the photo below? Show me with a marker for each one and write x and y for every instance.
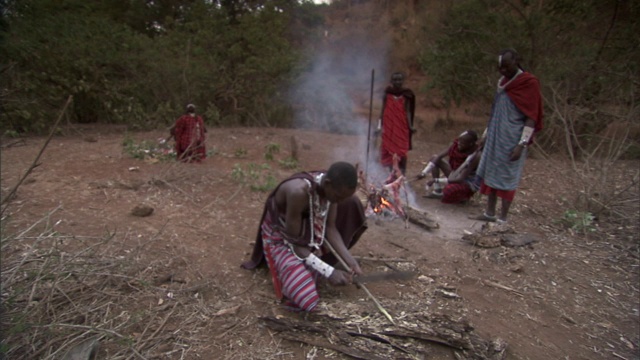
(396, 122)
(516, 115)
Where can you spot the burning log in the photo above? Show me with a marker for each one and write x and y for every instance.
(387, 200)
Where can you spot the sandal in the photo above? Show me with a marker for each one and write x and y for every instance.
(483, 217)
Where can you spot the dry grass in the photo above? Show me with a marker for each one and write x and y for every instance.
(605, 184)
(76, 294)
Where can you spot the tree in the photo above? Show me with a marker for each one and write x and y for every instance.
(586, 51)
(140, 62)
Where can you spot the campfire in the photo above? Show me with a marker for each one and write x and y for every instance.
(386, 199)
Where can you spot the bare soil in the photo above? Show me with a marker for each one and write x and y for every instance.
(565, 296)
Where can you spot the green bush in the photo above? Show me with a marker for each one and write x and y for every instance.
(148, 150)
(579, 221)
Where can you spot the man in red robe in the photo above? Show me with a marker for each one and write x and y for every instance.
(396, 122)
(189, 133)
(445, 188)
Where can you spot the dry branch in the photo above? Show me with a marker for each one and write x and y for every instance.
(374, 340)
(420, 218)
(339, 348)
(35, 161)
(503, 287)
(84, 292)
(365, 258)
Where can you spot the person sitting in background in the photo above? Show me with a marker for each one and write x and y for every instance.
(462, 183)
(189, 134)
(458, 152)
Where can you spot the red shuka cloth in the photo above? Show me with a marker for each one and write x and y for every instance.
(457, 158)
(350, 222)
(189, 135)
(399, 108)
(524, 91)
(503, 194)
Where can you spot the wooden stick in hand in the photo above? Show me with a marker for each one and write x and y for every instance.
(360, 285)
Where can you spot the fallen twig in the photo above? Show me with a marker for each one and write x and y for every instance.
(364, 258)
(144, 343)
(500, 286)
(353, 353)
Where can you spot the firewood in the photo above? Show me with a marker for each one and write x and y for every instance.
(420, 218)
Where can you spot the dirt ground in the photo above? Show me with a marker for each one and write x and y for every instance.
(565, 296)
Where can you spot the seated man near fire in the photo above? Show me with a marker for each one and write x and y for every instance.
(310, 213)
(459, 183)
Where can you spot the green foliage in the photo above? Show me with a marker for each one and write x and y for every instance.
(579, 221)
(289, 163)
(11, 133)
(269, 183)
(148, 150)
(270, 150)
(257, 177)
(238, 174)
(240, 153)
(140, 62)
(261, 177)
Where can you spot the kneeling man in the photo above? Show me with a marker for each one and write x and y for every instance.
(302, 213)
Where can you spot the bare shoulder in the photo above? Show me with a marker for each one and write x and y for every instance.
(292, 190)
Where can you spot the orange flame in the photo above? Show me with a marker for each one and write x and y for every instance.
(384, 204)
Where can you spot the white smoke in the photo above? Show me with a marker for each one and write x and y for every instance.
(333, 94)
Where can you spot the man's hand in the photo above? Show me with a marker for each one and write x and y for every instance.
(355, 267)
(340, 277)
(516, 153)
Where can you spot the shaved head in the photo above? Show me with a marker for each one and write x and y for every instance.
(509, 63)
(509, 55)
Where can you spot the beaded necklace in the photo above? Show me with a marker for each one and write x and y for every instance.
(320, 208)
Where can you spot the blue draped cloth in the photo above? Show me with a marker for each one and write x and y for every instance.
(503, 134)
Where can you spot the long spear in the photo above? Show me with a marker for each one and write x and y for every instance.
(366, 171)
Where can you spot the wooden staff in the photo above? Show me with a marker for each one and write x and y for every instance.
(359, 284)
(366, 168)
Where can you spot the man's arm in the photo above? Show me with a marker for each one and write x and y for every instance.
(296, 196)
(293, 195)
(466, 169)
(433, 163)
(437, 157)
(527, 132)
(407, 109)
(381, 118)
(335, 239)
